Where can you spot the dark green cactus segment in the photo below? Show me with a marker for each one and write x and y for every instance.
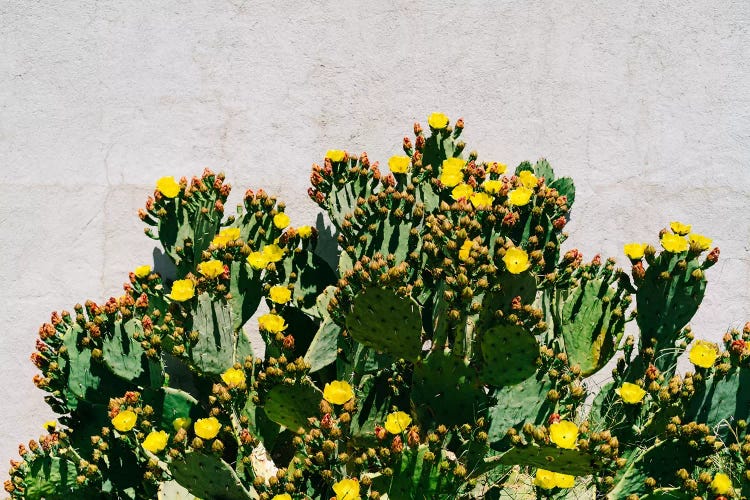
(722, 398)
(384, 321)
(218, 346)
(542, 168)
(447, 390)
(323, 348)
(665, 305)
(374, 404)
(246, 292)
(517, 404)
(175, 404)
(207, 476)
(587, 323)
(509, 354)
(521, 285)
(414, 477)
(122, 353)
(565, 187)
(292, 405)
(552, 458)
(313, 275)
(52, 478)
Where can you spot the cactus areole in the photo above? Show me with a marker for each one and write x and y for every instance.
(446, 356)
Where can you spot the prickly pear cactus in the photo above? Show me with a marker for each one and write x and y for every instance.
(449, 355)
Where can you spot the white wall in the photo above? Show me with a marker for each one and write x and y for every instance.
(645, 104)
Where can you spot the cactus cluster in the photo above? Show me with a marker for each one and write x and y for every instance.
(449, 355)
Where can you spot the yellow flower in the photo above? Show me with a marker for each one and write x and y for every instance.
(497, 168)
(207, 428)
(721, 484)
(482, 200)
(631, 393)
(635, 251)
(465, 251)
(450, 179)
(703, 354)
(233, 377)
(397, 422)
(674, 243)
(680, 228)
(520, 196)
(272, 323)
(453, 164)
(168, 187)
(564, 434)
(304, 232)
(547, 480)
(211, 268)
(338, 392)
(699, 241)
(452, 171)
(491, 186)
(181, 423)
(462, 191)
(155, 441)
(50, 425)
(516, 260)
(257, 260)
(280, 294)
(282, 496)
(399, 164)
(226, 236)
(528, 179)
(273, 253)
(124, 421)
(142, 271)
(347, 489)
(438, 121)
(281, 220)
(336, 155)
(182, 290)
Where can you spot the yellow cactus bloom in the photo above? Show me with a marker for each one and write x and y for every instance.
(462, 191)
(226, 236)
(272, 323)
(465, 252)
(397, 422)
(520, 196)
(674, 243)
(273, 253)
(207, 428)
(304, 232)
(516, 260)
(168, 187)
(282, 496)
(233, 377)
(142, 271)
(347, 489)
(438, 121)
(124, 421)
(451, 179)
(528, 179)
(181, 423)
(453, 165)
(338, 392)
(631, 393)
(482, 200)
(547, 480)
(156, 441)
(211, 268)
(721, 484)
(336, 155)
(182, 290)
(635, 251)
(452, 171)
(564, 434)
(257, 260)
(492, 186)
(280, 294)
(699, 241)
(680, 228)
(399, 164)
(281, 220)
(497, 168)
(703, 354)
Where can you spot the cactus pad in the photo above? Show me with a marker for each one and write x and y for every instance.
(208, 476)
(323, 348)
(552, 458)
(722, 397)
(519, 403)
(509, 353)
(54, 478)
(292, 405)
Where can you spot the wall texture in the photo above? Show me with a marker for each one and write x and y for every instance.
(645, 104)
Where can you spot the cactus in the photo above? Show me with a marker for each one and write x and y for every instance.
(206, 476)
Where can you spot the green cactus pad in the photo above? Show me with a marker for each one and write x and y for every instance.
(542, 168)
(292, 405)
(512, 285)
(382, 320)
(322, 301)
(246, 291)
(519, 403)
(313, 276)
(323, 348)
(175, 404)
(122, 354)
(52, 478)
(509, 354)
(414, 478)
(207, 476)
(374, 405)
(723, 397)
(565, 187)
(446, 390)
(552, 458)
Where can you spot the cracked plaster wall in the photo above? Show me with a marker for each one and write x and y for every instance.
(646, 104)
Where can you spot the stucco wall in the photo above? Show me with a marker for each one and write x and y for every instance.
(645, 104)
